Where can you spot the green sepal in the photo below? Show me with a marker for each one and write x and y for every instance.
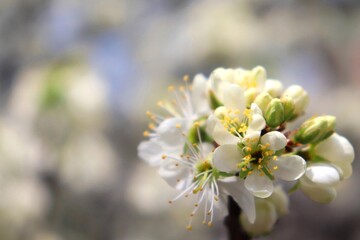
(214, 101)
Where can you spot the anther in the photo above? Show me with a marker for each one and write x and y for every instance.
(163, 156)
(186, 78)
(146, 133)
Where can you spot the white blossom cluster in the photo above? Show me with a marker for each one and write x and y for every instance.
(227, 136)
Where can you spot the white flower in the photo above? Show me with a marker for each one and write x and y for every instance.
(336, 155)
(265, 219)
(299, 96)
(188, 104)
(248, 80)
(338, 151)
(268, 210)
(195, 174)
(316, 192)
(233, 122)
(256, 161)
(273, 87)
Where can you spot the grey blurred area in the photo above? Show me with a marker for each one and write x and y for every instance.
(76, 78)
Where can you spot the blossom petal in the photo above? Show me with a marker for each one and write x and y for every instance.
(150, 152)
(235, 187)
(276, 139)
(219, 133)
(257, 123)
(320, 194)
(323, 174)
(234, 97)
(176, 175)
(199, 95)
(226, 157)
(346, 169)
(219, 79)
(273, 87)
(336, 148)
(170, 132)
(259, 185)
(255, 109)
(265, 219)
(290, 168)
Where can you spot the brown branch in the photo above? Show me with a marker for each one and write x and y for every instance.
(232, 222)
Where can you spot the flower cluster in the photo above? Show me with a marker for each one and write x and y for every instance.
(227, 136)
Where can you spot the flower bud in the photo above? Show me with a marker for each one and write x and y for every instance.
(265, 218)
(259, 73)
(317, 193)
(263, 100)
(289, 108)
(315, 129)
(299, 96)
(280, 200)
(273, 87)
(250, 96)
(274, 114)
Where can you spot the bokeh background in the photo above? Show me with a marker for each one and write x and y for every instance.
(76, 78)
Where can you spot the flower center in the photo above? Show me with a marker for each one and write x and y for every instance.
(259, 158)
(235, 121)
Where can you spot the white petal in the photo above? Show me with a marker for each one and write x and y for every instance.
(265, 219)
(259, 185)
(273, 87)
(323, 174)
(280, 199)
(320, 194)
(276, 139)
(255, 109)
(150, 152)
(235, 187)
(177, 176)
(199, 95)
(219, 79)
(251, 138)
(336, 148)
(234, 97)
(290, 168)
(222, 136)
(346, 169)
(226, 157)
(257, 123)
(170, 132)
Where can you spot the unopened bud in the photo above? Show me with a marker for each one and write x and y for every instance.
(250, 96)
(274, 114)
(299, 96)
(259, 74)
(316, 129)
(273, 87)
(263, 100)
(289, 108)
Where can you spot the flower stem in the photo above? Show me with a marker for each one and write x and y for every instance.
(232, 222)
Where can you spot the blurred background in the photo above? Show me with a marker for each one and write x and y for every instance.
(76, 78)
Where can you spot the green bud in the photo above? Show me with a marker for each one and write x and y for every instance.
(289, 108)
(274, 114)
(316, 129)
(214, 101)
(263, 100)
